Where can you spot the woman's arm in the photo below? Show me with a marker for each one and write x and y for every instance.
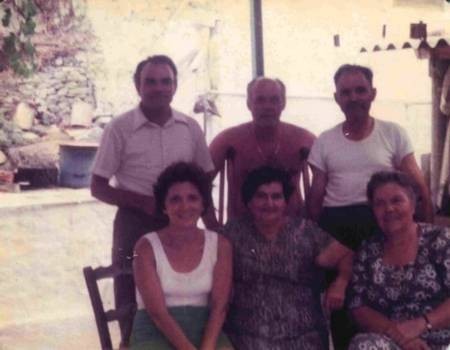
(337, 256)
(370, 320)
(220, 293)
(335, 293)
(149, 286)
(438, 318)
(332, 254)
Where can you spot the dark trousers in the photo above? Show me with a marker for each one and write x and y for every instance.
(350, 225)
(129, 226)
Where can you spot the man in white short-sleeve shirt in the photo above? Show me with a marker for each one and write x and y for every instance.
(343, 160)
(135, 148)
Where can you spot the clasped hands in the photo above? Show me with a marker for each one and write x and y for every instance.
(406, 334)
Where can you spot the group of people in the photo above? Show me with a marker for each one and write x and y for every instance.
(269, 278)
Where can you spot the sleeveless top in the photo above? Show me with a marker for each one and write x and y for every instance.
(184, 288)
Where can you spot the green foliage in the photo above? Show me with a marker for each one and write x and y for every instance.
(10, 134)
(6, 18)
(17, 45)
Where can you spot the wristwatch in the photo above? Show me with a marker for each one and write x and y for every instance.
(427, 322)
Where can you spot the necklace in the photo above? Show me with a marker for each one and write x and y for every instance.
(271, 157)
(357, 134)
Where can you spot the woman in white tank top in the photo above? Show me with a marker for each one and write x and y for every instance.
(182, 273)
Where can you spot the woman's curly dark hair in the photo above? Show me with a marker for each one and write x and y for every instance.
(265, 175)
(182, 172)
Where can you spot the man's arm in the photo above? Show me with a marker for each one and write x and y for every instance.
(409, 166)
(103, 191)
(316, 194)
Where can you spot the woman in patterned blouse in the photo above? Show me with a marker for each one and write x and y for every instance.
(400, 289)
(276, 277)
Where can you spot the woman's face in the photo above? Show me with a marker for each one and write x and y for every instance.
(183, 204)
(268, 203)
(392, 207)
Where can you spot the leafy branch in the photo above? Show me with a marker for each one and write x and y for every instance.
(17, 46)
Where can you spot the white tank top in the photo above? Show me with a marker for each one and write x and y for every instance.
(184, 288)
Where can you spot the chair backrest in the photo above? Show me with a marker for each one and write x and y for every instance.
(102, 317)
(224, 177)
(305, 173)
(227, 170)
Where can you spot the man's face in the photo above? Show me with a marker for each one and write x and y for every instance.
(266, 102)
(354, 94)
(157, 86)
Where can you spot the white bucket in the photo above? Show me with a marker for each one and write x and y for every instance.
(24, 116)
(82, 114)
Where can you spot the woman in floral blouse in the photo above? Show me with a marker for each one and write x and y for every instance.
(400, 289)
(276, 278)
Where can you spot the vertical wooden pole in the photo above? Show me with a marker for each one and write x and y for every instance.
(257, 38)
(437, 69)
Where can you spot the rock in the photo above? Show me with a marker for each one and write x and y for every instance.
(3, 158)
(59, 61)
(78, 134)
(40, 130)
(72, 85)
(39, 155)
(95, 134)
(103, 120)
(30, 136)
(81, 91)
(24, 116)
(56, 134)
(63, 91)
(49, 119)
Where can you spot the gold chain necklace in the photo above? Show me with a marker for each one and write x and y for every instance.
(271, 157)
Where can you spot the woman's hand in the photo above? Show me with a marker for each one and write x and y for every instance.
(416, 344)
(394, 333)
(335, 295)
(412, 328)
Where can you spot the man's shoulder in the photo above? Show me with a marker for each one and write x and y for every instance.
(391, 130)
(124, 121)
(297, 131)
(234, 133)
(185, 118)
(330, 132)
(385, 125)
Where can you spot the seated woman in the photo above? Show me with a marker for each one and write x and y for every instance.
(276, 285)
(183, 273)
(400, 289)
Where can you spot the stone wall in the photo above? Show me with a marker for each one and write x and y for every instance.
(53, 91)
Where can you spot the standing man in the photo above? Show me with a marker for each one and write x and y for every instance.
(343, 159)
(135, 148)
(263, 141)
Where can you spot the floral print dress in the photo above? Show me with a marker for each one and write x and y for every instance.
(276, 288)
(403, 292)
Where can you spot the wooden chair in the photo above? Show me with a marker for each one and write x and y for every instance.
(225, 177)
(102, 317)
(227, 170)
(305, 174)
